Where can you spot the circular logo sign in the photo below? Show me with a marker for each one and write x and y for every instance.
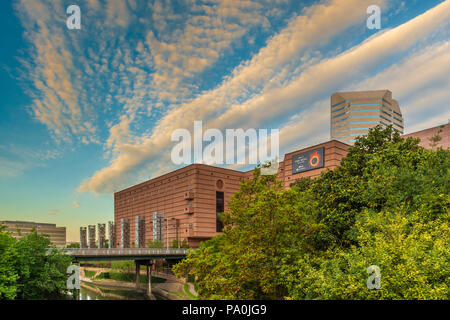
(314, 159)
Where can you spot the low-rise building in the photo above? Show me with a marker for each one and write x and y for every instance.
(19, 229)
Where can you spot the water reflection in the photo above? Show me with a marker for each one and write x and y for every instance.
(94, 292)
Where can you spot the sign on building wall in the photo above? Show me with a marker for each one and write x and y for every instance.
(309, 160)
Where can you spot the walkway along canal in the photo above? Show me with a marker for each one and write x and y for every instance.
(111, 284)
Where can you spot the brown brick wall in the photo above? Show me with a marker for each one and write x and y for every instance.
(425, 135)
(166, 194)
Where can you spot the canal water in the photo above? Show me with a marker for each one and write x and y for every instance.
(94, 292)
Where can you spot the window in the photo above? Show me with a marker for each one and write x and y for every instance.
(335, 128)
(386, 102)
(338, 109)
(354, 117)
(364, 104)
(220, 207)
(388, 120)
(338, 115)
(335, 105)
(365, 110)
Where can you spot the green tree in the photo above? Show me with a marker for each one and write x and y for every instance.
(41, 269)
(386, 205)
(242, 263)
(154, 244)
(413, 259)
(74, 245)
(8, 275)
(180, 244)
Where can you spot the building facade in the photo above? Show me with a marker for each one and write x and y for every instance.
(432, 138)
(19, 229)
(184, 204)
(354, 113)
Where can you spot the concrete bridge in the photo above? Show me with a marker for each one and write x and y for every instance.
(135, 254)
(140, 256)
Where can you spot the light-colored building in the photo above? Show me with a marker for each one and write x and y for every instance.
(19, 229)
(354, 113)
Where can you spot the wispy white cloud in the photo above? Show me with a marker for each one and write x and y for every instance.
(335, 73)
(313, 83)
(423, 99)
(421, 84)
(55, 80)
(319, 24)
(129, 94)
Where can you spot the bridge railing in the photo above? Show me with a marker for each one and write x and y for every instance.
(122, 251)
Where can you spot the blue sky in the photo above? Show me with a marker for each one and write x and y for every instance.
(87, 112)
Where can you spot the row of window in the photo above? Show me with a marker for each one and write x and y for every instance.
(392, 122)
(339, 103)
(351, 135)
(359, 122)
(343, 130)
(353, 111)
(365, 116)
(346, 101)
(355, 117)
(359, 104)
(364, 104)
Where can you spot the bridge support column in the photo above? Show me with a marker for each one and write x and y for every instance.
(138, 273)
(149, 280)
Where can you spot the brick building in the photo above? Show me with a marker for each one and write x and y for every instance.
(183, 204)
